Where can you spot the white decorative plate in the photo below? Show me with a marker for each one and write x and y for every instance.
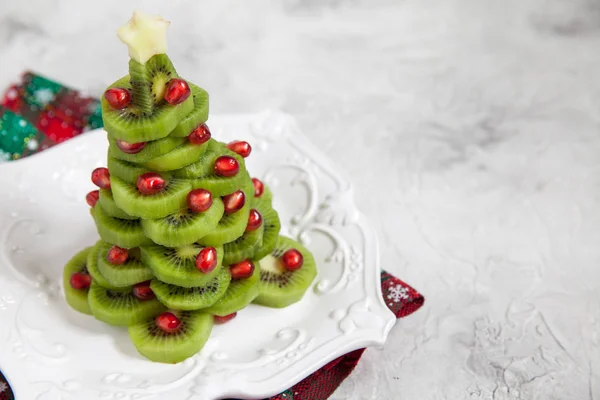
(48, 351)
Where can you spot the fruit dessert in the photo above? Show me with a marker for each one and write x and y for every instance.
(187, 237)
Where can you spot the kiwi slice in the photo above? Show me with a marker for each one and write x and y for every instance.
(152, 149)
(222, 185)
(160, 346)
(77, 298)
(267, 194)
(120, 306)
(128, 274)
(271, 224)
(92, 266)
(183, 228)
(128, 171)
(149, 81)
(179, 157)
(168, 201)
(134, 124)
(177, 266)
(193, 298)
(239, 294)
(229, 228)
(203, 166)
(278, 286)
(197, 117)
(110, 207)
(126, 233)
(243, 247)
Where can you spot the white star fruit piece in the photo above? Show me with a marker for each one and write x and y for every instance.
(145, 35)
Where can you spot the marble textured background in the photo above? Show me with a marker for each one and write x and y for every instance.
(471, 131)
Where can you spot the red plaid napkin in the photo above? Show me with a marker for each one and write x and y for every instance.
(38, 113)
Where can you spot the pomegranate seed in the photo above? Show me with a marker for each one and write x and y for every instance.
(259, 188)
(206, 260)
(92, 197)
(234, 201)
(168, 322)
(241, 147)
(254, 220)
(80, 281)
(130, 148)
(241, 270)
(226, 166)
(177, 91)
(199, 200)
(118, 98)
(101, 178)
(226, 318)
(292, 260)
(150, 183)
(142, 291)
(117, 255)
(200, 135)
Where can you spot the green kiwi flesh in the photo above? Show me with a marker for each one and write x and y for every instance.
(239, 294)
(272, 226)
(177, 266)
(77, 298)
(110, 207)
(278, 286)
(179, 157)
(193, 298)
(160, 346)
(133, 124)
(92, 266)
(243, 247)
(128, 171)
(198, 116)
(230, 227)
(152, 149)
(126, 233)
(120, 306)
(183, 228)
(170, 200)
(128, 274)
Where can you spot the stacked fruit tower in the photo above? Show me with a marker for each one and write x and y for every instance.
(188, 238)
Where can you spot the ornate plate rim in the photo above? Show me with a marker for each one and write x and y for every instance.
(271, 126)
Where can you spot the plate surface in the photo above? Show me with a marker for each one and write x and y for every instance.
(48, 351)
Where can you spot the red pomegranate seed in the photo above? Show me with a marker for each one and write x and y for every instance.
(292, 260)
(130, 148)
(240, 147)
(259, 187)
(241, 270)
(234, 201)
(224, 319)
(118, 98)
(200, 135)
(168, 322)
(177, 91)
(117, 255)
(79, 281)
(101, 178)
(92, 197)
(150, 183)
(142, 291)
(199, 200)
(226, 166)
(254, 220)
(206, 260)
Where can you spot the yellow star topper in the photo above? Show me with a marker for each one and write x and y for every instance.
(145, 35)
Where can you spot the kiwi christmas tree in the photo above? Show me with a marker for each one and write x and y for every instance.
(187, 237)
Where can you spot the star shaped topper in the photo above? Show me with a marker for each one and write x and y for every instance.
(145, 35)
